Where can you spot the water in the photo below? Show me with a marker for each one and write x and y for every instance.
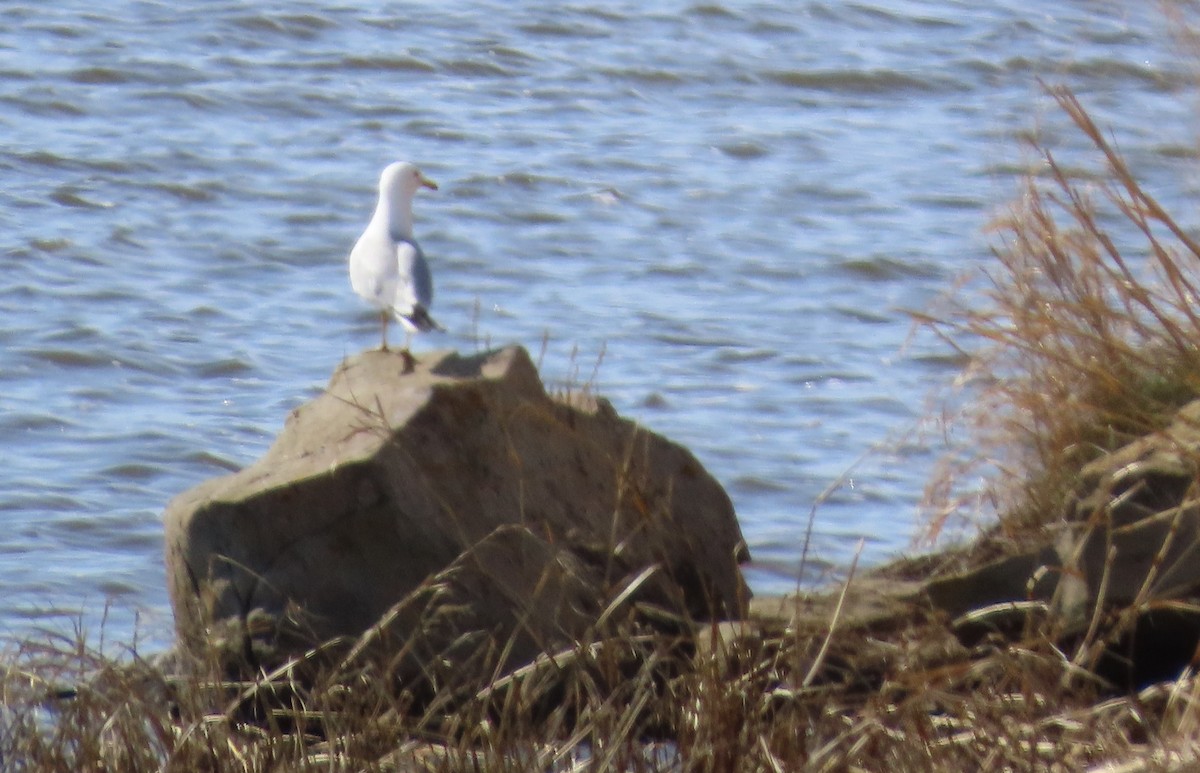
(727, 205)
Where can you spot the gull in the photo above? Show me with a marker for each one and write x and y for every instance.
(387, 267)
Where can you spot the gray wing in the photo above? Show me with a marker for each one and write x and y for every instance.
(416, 283)
(415, 291)
(422, 279)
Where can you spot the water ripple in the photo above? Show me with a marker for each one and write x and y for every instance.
(861, 81)
(304, 27)
(886, 267)
(476, 68)
(70, 358)
(223, 368)
(383, 62)
(645, 76)
(69, 196)
(98, 76)
(572, 29)
(32, 421)
(133, 471)
(40, 106)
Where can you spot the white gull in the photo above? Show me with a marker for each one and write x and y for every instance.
(387, 267)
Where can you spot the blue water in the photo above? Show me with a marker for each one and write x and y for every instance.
(722, 209)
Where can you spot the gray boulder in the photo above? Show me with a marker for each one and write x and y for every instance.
(461, 481)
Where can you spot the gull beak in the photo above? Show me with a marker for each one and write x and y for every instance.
(428, 183)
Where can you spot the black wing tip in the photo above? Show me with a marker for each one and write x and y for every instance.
(421, 320)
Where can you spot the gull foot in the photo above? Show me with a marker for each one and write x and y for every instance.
(410, 362)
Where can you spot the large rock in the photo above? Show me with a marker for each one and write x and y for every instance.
(461, 472)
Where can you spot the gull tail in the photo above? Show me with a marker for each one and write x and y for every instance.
(420, 319)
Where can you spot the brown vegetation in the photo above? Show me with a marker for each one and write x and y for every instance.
(891, 688)
(1087, 335)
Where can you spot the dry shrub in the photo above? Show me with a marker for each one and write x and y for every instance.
(1085, 336)
(606, 705)
(817, 685)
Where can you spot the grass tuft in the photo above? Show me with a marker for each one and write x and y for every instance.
(1084, 336)
(864, 678)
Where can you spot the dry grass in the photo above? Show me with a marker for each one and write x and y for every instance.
(1087, 334)
(891, 689)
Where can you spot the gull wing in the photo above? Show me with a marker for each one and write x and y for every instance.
(415, 287)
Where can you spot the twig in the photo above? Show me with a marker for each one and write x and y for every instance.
(837, 611)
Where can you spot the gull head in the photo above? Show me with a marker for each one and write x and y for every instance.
(401, 180)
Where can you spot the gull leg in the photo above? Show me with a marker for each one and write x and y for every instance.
(410, 362)
(383, 320)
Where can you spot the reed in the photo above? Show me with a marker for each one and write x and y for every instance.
(1084, 336)
(816, 686)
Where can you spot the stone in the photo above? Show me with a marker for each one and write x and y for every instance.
(1021, 577)
(1132, 532)
(391, 478)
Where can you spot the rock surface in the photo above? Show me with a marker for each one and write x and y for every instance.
(1140, 504)
(460, 486)
(1118, 576)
